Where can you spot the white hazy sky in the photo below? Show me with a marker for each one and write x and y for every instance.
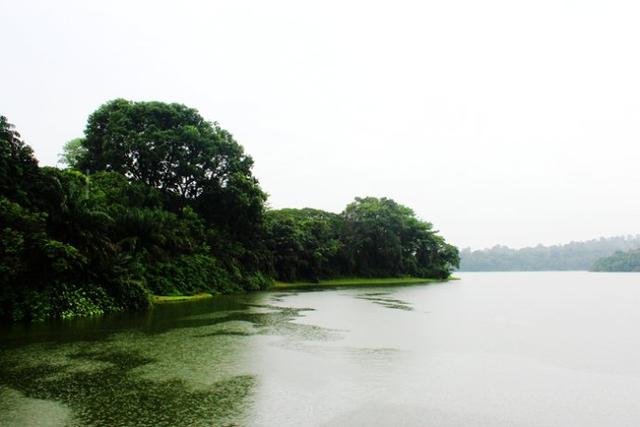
(512, 122)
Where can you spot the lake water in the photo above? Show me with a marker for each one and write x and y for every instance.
(491, 349)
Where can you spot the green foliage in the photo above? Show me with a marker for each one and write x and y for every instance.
(82, 302)
(189, 162)
(41, 277)
(166, 146)
(384, 238)
(304, 243)
(190, 274)
(370, 238)
(18, 168)
(78, 245)
(129, 293)
(21, 237)
(619, 261)
(72, 153)
(571, 256)
(235, 207)
(257, 281)
(170, 206)
(113, 189)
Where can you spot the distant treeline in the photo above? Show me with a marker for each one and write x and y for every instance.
(619, 261)
(155, 199)
(571, 256)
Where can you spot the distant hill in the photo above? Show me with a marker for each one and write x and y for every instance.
(619, 261)
(570, 256)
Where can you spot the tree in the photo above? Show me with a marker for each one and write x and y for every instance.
(193, 162)
(18, 168)
(170, 206)
(167, 146)
(569, 256)
(384, 238)
(375, 228)
(619, 261)
(304, 243)
(73, 152)
(371, 237)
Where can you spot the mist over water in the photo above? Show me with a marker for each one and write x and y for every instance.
(491, 349)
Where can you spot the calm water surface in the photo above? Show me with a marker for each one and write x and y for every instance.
(492, 349)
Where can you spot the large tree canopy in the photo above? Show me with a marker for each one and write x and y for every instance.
(75, 244)
(372, 237)
(169, 206)
(304, 243)
(167, 146)
(172, 148)
(385, 238)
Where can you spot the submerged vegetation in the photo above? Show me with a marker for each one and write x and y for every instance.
(177, 366)
(156, 200)
(120, 389)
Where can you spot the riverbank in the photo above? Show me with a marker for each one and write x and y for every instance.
(360, 281)
(162, 299)
(357, 281)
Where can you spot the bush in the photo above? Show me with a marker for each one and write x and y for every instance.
(189, 274)
(130, 294)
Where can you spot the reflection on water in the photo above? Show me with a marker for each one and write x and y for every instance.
(492, 349)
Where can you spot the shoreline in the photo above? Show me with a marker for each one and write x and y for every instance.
(167, 299)
(361, 281)
(329, 283)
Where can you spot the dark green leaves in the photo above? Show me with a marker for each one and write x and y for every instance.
(371, 238)
(167, 146)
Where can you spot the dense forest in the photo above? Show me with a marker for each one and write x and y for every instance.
(619, 261)
(154, 199)
(571, 256)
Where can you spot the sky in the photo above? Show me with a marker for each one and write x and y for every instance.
(501, 122)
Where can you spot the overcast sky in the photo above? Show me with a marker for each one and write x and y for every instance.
(504, 122)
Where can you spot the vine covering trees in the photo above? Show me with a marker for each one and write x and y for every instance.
(155, 199)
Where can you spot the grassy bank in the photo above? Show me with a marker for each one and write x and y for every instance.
(161, 299)
(360, 281)
(357, 281)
